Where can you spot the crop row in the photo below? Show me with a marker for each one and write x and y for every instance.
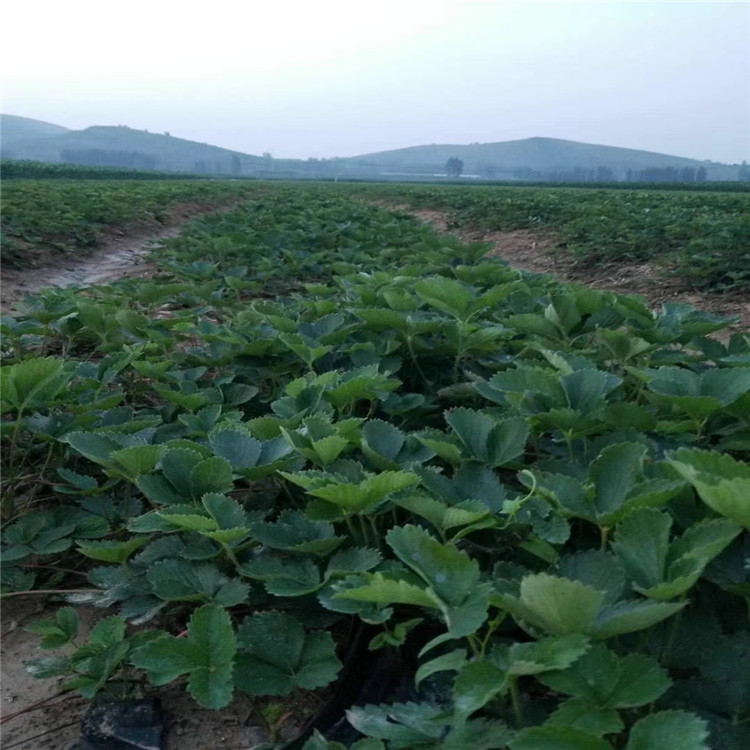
(68, 217)
(700, 236)
(323, 415)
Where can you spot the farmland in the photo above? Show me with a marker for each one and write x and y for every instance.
(323, 423)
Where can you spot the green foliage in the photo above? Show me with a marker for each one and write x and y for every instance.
(40, 216)
(206, 655)
(276, 656)
(322, 412)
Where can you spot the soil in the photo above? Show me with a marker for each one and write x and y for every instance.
(538, 252)
(55, 725)
(120, 255)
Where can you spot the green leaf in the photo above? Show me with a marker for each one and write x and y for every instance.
(206, 655)
(94, 446)
(642, 544)
(556, 605)
(557, 652)
(476, 684)
(184, 580)
(239, 449)
(631, 616)
(587, 389)
(137, 460)
(580, 714)
(660, 570)
(225, 511)
(295, 532)
(614, 473)
(450, 573)
(33, 380)
(58, 632)
(213, 475)
(722, 482)
(677, 729)
(452, 662)
(382, 590)
(484, 438)
(277, 656)
(108, 632)
(600, 570)
(608, 681)
(112, 552)
(358, 498)
(558, 738)
(176, 465)
(449, 296)
(295, 577)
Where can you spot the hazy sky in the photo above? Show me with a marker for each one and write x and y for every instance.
(336, 79)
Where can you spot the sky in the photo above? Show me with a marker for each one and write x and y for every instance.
(322, 79)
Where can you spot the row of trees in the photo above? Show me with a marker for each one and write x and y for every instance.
(109, 158)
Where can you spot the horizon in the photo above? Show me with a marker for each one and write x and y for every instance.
(339, 81)
(397, 148)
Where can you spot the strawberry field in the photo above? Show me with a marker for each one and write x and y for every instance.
(325, 440)
(45, 220)
(702, 237)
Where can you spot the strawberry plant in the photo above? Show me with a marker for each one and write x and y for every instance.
(322, 416)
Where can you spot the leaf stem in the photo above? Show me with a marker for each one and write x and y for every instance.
(515, 698)
(48, 591)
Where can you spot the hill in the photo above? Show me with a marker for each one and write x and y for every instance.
(548, 157)
(14, 129)
(122, 146)
(527, 159)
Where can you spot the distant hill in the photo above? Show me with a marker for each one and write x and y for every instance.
(527, 159)
(546, 156)
(15, 129)
(122, 146)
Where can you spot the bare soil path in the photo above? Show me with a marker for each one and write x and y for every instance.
(120, 255)
(535, 251)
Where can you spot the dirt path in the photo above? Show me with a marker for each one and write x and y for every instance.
(120, 255)
(534, 251)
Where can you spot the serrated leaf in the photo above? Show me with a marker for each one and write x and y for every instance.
(212, 475)
(450, 572)
(557, 738)
(239, 449)
(631, 616)
(557, 652)
(606, 680)
(206, 655)
(225, 511)
(176, 465)
(181, 580)
(295, 532)
(580, 714)
(277, 656)
(137, 459)
(382, 590)
(668, 729)
(113, 552)
(614, 473)
(722, 482)
(58, 632)
(451, 662)
(476, 684)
